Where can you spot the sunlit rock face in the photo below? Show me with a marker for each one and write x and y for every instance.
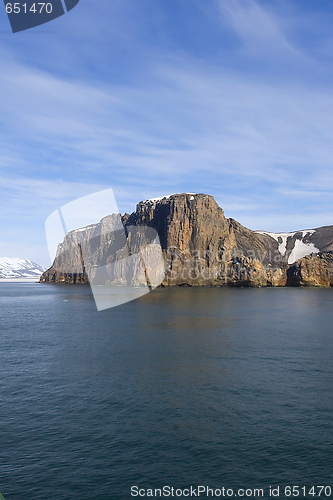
(200, 246)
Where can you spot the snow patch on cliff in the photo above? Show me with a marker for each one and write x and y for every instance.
(154, 200)
(277, 236)
(301, 250)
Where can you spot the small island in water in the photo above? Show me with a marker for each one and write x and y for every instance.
(199, 246)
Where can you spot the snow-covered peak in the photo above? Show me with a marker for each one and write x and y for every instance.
(11, 267)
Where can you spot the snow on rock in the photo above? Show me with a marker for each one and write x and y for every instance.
(277, 236)
(301, 250)
(154, 200)
(307, 231)
(19, 268)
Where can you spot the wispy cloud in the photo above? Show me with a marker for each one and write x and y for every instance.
(188, 117)
(258, 29)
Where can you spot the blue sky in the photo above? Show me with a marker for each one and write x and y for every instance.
(151, 97)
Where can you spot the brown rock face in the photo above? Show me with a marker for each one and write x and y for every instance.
(312, 270)
(201, 247)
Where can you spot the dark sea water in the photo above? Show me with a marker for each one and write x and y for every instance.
(182, 387)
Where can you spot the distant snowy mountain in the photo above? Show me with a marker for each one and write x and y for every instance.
(19, 268)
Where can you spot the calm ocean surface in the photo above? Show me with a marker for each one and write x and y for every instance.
(187, 386)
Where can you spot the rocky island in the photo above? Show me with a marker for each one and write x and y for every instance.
(200, 247)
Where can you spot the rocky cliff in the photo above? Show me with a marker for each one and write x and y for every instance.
(200, 246)
(312, 270)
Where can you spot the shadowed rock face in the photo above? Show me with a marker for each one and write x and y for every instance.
(201, 247)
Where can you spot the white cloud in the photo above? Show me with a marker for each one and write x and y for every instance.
(258, 29)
